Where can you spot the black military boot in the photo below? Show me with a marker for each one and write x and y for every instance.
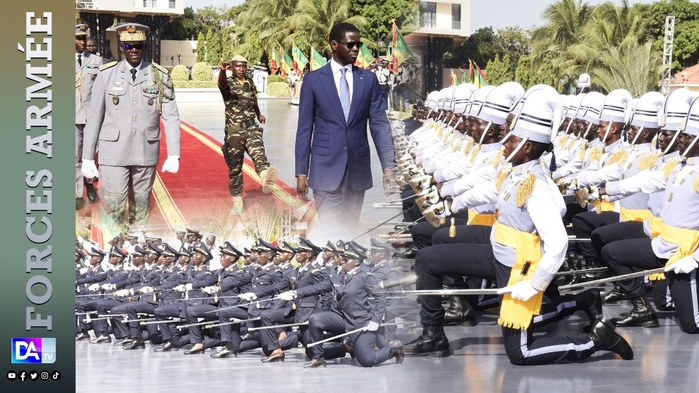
(641, 314)
(615, 295)
(606, 338)
(589, 301)
(459, 312)
(432, 341)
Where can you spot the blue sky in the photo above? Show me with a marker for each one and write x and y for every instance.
(495, 13)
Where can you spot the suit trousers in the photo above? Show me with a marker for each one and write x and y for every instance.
(338, 211)
(132, 309)
(128, 183)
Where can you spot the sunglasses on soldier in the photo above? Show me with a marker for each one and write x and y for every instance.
(132, 46)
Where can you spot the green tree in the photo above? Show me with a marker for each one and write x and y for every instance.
(404, 12)
(634, 67)
(686, 15)
(563, 29)
(481, 47)
(500, 71)
(201, 48)
(184, 27)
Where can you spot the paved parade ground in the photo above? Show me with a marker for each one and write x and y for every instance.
(666, 360)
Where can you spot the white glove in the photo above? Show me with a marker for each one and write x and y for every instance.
(683, 265)
(248, 296)
(171, 164)
(146, 290)
(593, 194)
(179, 288)
(188, 286)
(523, 291)
(108, 287)
(372, 326)
(83, 270)
(210, 290)
(93, 287)
(122, 292)
(288, 295)
(89, 169)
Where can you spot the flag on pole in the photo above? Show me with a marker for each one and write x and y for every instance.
(470, 71)
(463, 76)
(365, 57)
(274, 60)
(477, 78)
(400, 50)
(299, 59)
(317, 60)
(285, 62)
(103, 228)
(452, 79)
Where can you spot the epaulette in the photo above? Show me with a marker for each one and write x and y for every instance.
(108, 65)
(160, 68)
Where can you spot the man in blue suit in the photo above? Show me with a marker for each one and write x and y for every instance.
(332, 145)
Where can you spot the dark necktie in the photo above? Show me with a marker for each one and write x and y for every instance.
(80, 59)
(133, 74)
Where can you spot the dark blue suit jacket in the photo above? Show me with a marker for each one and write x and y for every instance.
(326, 145)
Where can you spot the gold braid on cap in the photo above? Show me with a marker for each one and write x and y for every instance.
(696, 184)
(524, 190)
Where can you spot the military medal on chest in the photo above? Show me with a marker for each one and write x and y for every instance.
(115, 99)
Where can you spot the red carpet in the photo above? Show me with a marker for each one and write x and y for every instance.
(197, 196)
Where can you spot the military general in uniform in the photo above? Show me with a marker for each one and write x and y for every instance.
(86, 68)
(129, 98)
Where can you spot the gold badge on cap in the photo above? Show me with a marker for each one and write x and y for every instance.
(131, 29)
(661, 121)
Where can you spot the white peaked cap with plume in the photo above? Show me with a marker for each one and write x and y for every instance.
(590, 107)
(462, 96)
(500, 102)
(617, 106)
(648, 109)
(540, 116)
(518, 107)
(676, 108)
(691, 125)
(477, 100)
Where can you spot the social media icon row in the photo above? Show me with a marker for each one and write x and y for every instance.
(33, 375)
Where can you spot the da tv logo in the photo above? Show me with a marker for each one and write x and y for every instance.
(33, 350)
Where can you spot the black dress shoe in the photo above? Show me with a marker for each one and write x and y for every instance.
(459, 312)
(615, 295)
(91, 192)
(123, 342)
(349, 348)
(606, 338)
(82, 336)
(315, 363)
(224, 353)
(274, 358)
(432, 342)
(135, 344)
(642, 314)
(101, 339)
(168, 346)
(398, 352)
(195, 351)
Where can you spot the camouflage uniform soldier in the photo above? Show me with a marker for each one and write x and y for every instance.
(243, 134)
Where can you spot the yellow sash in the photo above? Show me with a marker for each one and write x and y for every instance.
(686, 239)
(601, 205)
(475, 218)
(516, 314)
(635, 215)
